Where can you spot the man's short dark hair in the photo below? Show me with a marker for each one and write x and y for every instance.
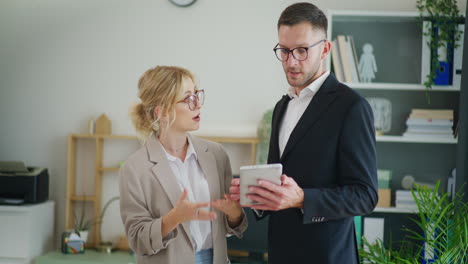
(304, 12)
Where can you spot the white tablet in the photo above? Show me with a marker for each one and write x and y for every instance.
(249, 175)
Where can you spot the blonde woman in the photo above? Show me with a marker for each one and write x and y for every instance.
(168, 185)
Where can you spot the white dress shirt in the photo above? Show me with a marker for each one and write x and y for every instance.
(296, 108)
(189, 175)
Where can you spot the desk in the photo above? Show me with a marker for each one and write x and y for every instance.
(90, 256)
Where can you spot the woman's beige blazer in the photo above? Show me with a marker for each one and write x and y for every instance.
(149, 190)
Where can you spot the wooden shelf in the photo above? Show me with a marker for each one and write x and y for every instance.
(402, 87)
(98, 136)
(232, 140)
(109, 169)
(100, 140)
(395, 210)
(429, 140)
(238, 140)
(83, 198)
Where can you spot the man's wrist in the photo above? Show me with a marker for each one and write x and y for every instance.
(235, 219)
(300, 203)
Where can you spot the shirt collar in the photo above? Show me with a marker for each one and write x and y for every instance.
(190, 152)
(310, 89)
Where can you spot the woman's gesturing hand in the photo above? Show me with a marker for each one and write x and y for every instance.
(231, 208)
(187, 211)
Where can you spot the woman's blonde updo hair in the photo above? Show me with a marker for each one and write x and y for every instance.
(160, 86)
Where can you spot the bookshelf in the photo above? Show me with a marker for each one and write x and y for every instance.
(395, 210)
(427, 140)
(402, 87)
(398, 49)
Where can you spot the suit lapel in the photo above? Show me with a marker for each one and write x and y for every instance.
(163, 172)
(273, 155)
(207, 163)
(315, 109)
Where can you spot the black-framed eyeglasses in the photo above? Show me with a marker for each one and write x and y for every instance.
(198, 98)
(299, 53)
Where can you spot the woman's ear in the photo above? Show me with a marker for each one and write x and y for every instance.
(158, 114)
(157, 111)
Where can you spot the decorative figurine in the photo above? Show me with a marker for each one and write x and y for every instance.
(367, 65)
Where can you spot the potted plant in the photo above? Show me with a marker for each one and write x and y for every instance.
(263, 134)
(82, 224)
(444, 225)
(444, 16)
(105, 246)
(443, 236)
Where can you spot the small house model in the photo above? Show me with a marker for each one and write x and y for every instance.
(103, 125)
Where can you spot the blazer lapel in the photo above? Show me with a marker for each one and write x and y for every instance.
(273, 155)
(207, 163)
(163, 172)
(315, 109)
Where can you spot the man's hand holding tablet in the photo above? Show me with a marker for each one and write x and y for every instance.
(268, 193)
(250, 175)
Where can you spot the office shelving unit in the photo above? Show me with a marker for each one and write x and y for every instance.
(95, 199)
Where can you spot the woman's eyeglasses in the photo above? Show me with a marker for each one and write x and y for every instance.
(198, 98)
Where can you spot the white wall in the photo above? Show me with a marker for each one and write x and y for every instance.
(63, 62)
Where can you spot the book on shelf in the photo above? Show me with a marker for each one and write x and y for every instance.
(426, 51)
(445, 73)
(430, 130)
(443, 54)
(403, 194)
(348, 57)
(344, 58)
(404, 199)
(457, 59)
(430, 124)
(429, 121)
(373, 229)
(336, 60)
(455, 132)
(446, 114)
(352, 58)
(384, 178)
(431, 127)
(427, 136)
(355, 57)
(358, 228)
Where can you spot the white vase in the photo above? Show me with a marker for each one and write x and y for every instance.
(382, 109)
(84, 235)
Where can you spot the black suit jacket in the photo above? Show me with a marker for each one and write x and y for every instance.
(331, 155)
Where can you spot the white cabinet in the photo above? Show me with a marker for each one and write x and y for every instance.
(25, 232)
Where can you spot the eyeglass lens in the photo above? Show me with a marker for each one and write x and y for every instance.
(298, 54)
(197, 98)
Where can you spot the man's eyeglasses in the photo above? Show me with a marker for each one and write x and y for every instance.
(299, 53)
(198, 98)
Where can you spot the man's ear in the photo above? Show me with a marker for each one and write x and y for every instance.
(326, 49)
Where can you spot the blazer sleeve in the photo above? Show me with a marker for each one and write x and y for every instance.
(356, 192)
(142, 229)
(238, 230)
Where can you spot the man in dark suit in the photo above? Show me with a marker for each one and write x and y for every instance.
(323, 135)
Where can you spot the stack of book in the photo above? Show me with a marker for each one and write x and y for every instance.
(430, 123)
(344, 58)
(404, 199)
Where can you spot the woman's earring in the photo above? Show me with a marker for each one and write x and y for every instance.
(155, 125)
